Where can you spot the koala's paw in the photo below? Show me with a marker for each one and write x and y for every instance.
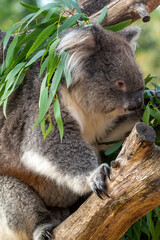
(97, 179)
(43, 232)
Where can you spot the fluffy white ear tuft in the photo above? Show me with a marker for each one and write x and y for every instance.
(78, 43)
(131, 34)
(76, 39)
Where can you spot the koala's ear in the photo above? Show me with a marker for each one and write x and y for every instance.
(77, 43)
(76, 39)
(131, 34)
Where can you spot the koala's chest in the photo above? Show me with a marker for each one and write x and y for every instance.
(96, 125)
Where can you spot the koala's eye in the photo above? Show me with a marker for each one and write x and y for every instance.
(120, 85)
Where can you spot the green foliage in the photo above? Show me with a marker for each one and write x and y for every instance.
(102, 15)
(119, 26)
(147, 228)
(114, 148)
(40, 43)
(152, 109)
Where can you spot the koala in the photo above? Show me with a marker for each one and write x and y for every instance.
(40, 179)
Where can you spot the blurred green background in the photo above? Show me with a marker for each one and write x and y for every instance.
(148, 51)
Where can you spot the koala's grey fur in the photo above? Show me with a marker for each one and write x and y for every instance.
(33, 170)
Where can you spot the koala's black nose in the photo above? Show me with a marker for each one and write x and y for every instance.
(137, 101)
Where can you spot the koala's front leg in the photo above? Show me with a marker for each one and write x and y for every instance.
(79, 164)
(72, 163)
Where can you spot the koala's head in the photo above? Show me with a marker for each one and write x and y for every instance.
(104, 73)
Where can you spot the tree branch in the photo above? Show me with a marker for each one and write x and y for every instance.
(119, 10)
(134, 190)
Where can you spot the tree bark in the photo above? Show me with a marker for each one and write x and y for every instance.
(134, 190)
(119, 10)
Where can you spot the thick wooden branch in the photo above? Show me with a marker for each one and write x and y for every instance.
(119, 10)
(134, 190)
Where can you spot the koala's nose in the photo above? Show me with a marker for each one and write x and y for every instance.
(137, 101)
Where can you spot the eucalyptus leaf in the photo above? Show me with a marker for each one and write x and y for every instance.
(114, 148)
(43, 105)
(119, 26)
(8, 35)
(149, 94)
(55, 18)
(58, 118)
(15, 84)
(157, 230)
(22, 55)
(5, 107)
(67, 76)
(53, 59)
(49, 129)
(68, 3)
(55, 83)
(46, 7)
(43, 126)
(41, 38)
(145, 230)
(35, 57)
(10, 50)
(43, 66)
(45, 133)
(76, 6)
(66, 70)
(15, 71)
(146, 115)
(13, 28)
(30, 7)
(43, 85)
(70, 21)
(150, 224)
(148, 79)
(102, 15)
(51, 14)
(155, 114)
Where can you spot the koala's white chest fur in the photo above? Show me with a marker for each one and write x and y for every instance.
(92, 125)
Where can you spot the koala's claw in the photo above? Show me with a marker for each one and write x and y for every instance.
(96, 191)
(98, 180)
(47, 234)
(100, 190)
(105, 193)
(108, 172)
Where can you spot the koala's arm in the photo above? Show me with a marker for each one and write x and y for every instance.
(72, 163)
